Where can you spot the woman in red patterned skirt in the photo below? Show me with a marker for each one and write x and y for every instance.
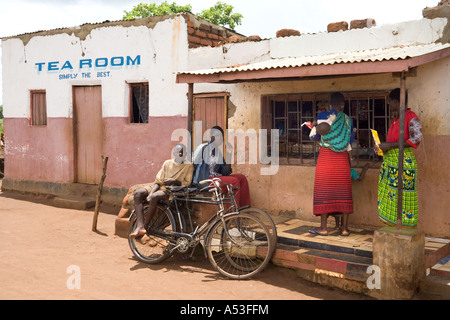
(333, 186)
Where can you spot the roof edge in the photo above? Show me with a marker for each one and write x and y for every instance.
(318, 70)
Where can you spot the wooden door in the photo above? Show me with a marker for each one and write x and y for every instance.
(88, 127)
(211, 110)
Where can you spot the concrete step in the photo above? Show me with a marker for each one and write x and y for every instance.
(334, 268)
(436, 284)
(331, 246)
(341, 265)
(442, 268)
(79, 196)
(83, 190)
(74, 202)
(435, 287)
(332, 260)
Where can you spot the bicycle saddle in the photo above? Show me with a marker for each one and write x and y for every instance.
(182, 189)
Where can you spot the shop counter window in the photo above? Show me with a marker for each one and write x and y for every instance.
(287, 113)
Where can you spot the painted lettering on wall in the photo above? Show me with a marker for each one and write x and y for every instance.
(84, 67)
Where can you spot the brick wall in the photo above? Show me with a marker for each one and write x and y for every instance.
(202, 33)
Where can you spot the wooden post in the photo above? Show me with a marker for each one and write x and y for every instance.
(191, 114)
(401, 142)
(99, 194)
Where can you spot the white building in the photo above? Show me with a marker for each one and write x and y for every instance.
(90, 79)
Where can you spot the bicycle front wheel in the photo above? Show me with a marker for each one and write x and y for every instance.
(151, 248)
(240, 246)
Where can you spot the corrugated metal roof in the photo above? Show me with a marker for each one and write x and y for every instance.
(383, 54)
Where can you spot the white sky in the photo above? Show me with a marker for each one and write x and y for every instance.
(261, 17)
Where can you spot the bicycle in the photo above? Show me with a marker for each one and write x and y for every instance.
(237, 243)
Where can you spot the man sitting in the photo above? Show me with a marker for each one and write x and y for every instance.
(209, 163)
(173, 172)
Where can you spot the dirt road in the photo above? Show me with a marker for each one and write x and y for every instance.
(51, 253)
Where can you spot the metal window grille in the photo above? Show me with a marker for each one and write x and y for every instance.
(287, 113)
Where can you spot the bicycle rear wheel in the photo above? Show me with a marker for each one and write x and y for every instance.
(242, 252)
(151, 248)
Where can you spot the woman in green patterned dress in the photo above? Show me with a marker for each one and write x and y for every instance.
(388, 180)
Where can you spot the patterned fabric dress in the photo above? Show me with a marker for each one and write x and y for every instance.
(388, 179)
(388, 188)
(332, 184)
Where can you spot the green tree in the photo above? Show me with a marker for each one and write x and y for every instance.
(220, 14)
(144, 10)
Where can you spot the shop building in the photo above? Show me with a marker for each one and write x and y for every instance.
(73, 95)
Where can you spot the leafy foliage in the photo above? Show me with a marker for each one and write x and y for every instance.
(144, 10)
(220, 14)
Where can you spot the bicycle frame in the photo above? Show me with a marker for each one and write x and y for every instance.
(218, 199)
(238, 244)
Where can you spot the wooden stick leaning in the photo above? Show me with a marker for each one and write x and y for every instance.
(99, 194)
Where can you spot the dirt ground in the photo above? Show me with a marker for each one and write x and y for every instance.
(46, 252)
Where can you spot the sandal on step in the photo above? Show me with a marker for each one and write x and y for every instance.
(314, 231)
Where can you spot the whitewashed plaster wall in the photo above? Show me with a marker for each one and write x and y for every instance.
(405, 33)
(162, 51)
(428, 96)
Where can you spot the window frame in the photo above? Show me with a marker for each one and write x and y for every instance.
(131, 111)
(38, 112)
(355, 107)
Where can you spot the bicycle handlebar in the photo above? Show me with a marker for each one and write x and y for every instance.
(216, 181)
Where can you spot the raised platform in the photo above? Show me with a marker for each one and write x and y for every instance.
(437, 283)
(331, 260)
(343, 262)
(339, 261)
